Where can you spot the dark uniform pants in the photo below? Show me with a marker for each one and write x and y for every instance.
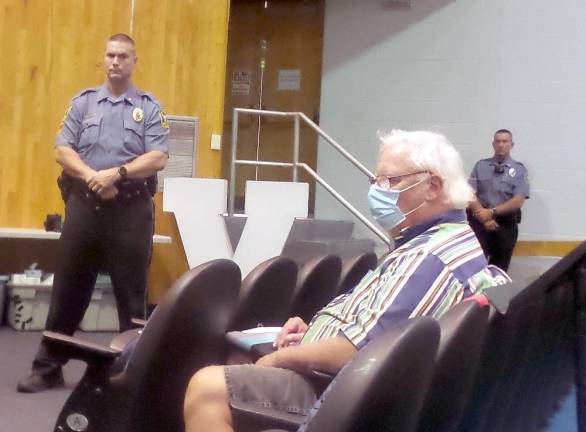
(497, 245)
(112, 236)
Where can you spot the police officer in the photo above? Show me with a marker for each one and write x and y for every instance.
(112, 141)
(501, 186)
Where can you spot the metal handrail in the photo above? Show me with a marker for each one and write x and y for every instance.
(296, 164)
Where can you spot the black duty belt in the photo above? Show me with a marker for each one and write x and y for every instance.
(129, 192)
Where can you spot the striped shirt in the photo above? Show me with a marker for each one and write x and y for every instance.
(436, 265)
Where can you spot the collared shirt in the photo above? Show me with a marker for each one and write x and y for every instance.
(496, 183)
(108, 131)
(438, 264)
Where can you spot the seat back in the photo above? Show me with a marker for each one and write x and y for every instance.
(265, 294)
(185, 332)
(531, 357)
(354, 269)
(383, 387)
(316, 286)
(463, 328)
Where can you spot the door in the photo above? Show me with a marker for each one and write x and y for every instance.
(274, 63)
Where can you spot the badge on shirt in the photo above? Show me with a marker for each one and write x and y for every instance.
(512, 172)
(164, 121)
(137, 115)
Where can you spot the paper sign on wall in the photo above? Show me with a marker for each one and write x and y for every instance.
(240, 83)
(289, 79)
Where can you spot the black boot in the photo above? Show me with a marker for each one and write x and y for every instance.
(37, 382)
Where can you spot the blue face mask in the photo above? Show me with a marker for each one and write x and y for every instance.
(384, 208)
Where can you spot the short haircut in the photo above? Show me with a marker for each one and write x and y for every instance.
(504, 131)
(430, 151)
(122, 37)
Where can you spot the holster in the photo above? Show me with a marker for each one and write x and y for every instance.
(65, 184)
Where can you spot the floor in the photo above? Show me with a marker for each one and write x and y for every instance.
(32, 412)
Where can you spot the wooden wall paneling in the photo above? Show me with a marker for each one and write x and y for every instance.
(53, 49)
(182, 60)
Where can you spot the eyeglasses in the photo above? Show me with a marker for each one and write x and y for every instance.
(389, 182)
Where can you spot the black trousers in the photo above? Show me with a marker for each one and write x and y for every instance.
(497, 245)
(115, 237)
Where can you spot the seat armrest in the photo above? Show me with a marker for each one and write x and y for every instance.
(123, 339)
(264, 418)
(72, 348)
(321, 379)
(137, 322)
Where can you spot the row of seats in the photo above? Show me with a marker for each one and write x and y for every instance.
(503, 371)
(534, 352)
(470, 371)
(276, 289)
(138, 383)
(410, 386)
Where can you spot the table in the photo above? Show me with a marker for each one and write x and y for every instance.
(20, 247)
(40, 234)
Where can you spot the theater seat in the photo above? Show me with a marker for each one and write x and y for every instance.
(381, 389)
(265, 294)
(463, 329)
(317, 284)
(185, 332)
(354, 269)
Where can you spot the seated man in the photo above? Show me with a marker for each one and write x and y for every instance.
(419, 196)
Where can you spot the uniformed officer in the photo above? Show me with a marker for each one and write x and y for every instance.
(501, 185)
(112, 141)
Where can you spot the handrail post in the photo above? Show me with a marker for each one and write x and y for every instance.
(295, 165)
(232, 186)
(346, 204)
(295, 147)
(336, 146)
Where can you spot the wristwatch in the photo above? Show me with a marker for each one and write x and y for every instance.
(493, 211)
(123, 172)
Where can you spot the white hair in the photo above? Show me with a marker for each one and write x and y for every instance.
(430, 151)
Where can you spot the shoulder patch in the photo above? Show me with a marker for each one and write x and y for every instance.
(164, 121)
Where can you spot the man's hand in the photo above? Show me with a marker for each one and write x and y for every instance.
(491, 225)
(328, 355)
(484, 215)
(103, 179)
(291, 333)
(108, 193)
(270, 360)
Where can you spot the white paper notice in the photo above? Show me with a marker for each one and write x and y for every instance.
(289, 79)
(240, 83)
